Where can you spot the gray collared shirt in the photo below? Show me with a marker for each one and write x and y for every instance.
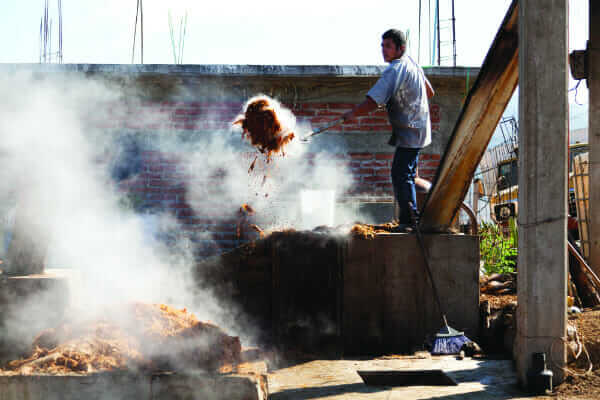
(402, 89)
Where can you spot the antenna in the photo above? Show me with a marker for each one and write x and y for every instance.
(60, 35)
(437, 22)
(419, 41)
(46, 54)
(138, 12)
(453, 35)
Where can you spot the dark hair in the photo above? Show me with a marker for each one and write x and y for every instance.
(396, 35)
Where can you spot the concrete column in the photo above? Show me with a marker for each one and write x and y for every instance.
(594, 133)
(543, 123)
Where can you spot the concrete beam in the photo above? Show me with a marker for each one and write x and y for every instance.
(594, 134)
(543, 143)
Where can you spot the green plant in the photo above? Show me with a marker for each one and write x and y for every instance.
(498, 251)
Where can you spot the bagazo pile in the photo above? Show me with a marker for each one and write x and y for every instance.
(262, 125)
(150, 337)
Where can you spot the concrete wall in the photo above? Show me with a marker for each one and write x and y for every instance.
(119, 385)
(189, 101)
(389, 304)
(334, 295)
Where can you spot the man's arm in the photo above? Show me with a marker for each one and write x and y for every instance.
(430, 91)
(365, 107)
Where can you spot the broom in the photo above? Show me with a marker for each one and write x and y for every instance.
(448, 340)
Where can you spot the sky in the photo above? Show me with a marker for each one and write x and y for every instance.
(308, 32)
(239, 32)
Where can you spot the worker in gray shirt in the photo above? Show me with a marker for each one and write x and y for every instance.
(404, 90)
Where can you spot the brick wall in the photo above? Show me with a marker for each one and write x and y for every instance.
(189, 101)
(159, 184)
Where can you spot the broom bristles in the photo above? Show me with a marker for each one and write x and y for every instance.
(449, 344)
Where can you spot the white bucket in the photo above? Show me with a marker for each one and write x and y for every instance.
(317, 207)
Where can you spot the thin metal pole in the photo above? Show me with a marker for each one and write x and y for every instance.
(429, 32)
(437, 16)
(453, 34)
(41, 38)
(137, 9)
(60, 36)
(419, 40)
(142, 29)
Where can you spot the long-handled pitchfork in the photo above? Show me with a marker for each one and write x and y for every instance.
(306, 139)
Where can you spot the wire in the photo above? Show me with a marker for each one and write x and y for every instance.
(576, 89)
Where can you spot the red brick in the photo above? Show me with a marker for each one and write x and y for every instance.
(330, 112)
(430, 157)
(375, 179)
(426, 171)
(373, 120)
(361, 156)
(365, 171)
(429, 164)
(315, 106)
(305, 113)
(319, 120)
(384, 156)
(366, 128)
(337, 106)
(374, 164)
(384, 172)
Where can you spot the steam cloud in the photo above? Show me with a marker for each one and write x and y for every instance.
(55, 161)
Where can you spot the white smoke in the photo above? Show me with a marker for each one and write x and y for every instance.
(275, 186)
(53, 159)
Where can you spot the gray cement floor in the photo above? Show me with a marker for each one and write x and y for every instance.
(337, 379)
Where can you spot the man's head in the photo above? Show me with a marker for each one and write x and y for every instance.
(393, 45)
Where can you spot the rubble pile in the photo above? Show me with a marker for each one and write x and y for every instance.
(150, 337)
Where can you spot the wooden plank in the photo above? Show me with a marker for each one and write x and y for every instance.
(479, 117)
(582, 196)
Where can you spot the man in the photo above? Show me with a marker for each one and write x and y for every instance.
(404, 90)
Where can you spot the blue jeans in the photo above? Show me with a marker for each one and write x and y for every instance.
(404, 170)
